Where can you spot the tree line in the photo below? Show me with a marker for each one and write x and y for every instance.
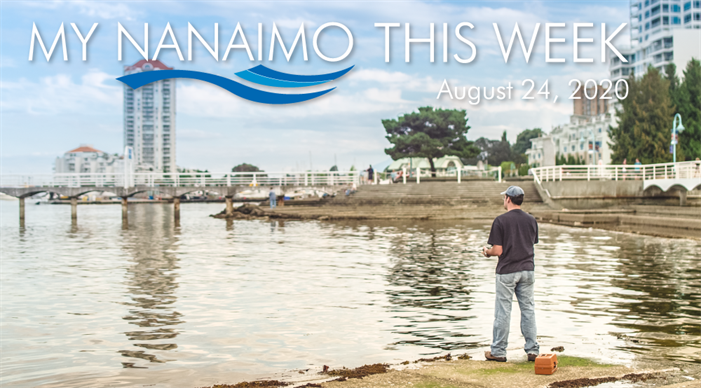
(645, 117)
(434, 133)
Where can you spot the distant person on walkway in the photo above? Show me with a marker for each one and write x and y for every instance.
(601, 167)
(637, 167)
(512, 237)
(399, 176)
(371, 174)
(273, 198)
(625, 163)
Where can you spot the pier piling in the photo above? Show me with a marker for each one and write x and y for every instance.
(176, 208)
(74, 209)
(682, 197)
(125, 214)
(229, 206)
(21, 210)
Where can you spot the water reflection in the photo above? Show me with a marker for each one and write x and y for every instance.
(431, 287)
(152, 281)
(662, 303)
(264, 297)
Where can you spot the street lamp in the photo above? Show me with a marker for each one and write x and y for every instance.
(675, 134)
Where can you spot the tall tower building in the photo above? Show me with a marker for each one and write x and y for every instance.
(661, 32)
(149, 120)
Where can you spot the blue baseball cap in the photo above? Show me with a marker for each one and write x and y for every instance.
(513, 191)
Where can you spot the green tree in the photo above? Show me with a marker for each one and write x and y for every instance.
(508, 168)
(644, 121)
(429, 133)
(688, 99)
(523, 143)
(671, 76)
(245, 167)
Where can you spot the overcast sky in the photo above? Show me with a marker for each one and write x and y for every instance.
(48, 108)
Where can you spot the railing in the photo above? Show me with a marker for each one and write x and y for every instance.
(416, 174)
(208, 179)
(680, 170)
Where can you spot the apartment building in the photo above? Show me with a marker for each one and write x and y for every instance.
(584, 137)
(661, 32)
(149, 120)
(88, 160)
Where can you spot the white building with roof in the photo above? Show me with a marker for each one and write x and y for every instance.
(661, 32)
(149, 120)
(542, 152)
(584, 137)
(443, 165)
(88, 160)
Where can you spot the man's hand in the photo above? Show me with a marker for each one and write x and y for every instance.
(495, 250)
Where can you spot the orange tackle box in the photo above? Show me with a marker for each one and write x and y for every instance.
(545, 364)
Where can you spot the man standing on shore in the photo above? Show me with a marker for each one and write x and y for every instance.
(512, 237)
(273, 198)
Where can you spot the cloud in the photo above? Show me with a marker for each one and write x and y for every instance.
(196, 134)
(59, 94)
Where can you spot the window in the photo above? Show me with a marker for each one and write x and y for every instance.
(564, 149)
(687, 18)
(599, 130)
(655, 10)
(647, 27)
(676, 20)
(572, 148)
(647, 2)
(647, 14)
(665, 20)
(676, 8)
(687, 6)
(665, 7)
(655, 23)
(697, 16)
(697, 4)
(581, 147)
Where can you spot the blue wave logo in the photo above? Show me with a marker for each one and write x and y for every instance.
(260, 75)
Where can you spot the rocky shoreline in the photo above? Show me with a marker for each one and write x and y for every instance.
(654, 221)
(460, 371)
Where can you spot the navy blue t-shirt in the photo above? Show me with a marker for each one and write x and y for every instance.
(516, 231)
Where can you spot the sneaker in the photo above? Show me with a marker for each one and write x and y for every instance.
(489, 357)
(532, 357)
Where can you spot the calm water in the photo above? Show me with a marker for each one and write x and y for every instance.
(208, 302)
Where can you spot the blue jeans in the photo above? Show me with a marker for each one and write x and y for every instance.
(273, 202)
(523, 284)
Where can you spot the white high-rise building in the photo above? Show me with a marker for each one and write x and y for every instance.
(149, 120)
(661, 32)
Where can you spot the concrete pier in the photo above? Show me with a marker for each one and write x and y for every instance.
(176, 208)
(682, 197)
(229, 206)
(74, 208)
(21, 211)
(125, 210)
